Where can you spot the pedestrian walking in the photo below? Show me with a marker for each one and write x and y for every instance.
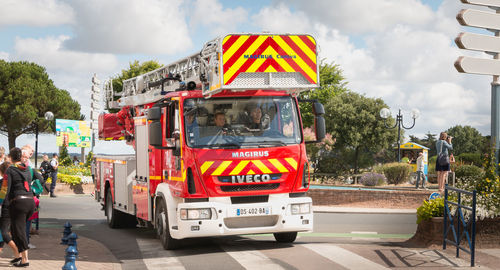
(45, 170)
(420, 170)
(443, 161)
(21, 203)
(54, 164)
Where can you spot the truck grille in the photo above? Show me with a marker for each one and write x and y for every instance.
(250, 222)
(249, 187)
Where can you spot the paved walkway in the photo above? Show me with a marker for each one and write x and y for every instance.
(49, 254)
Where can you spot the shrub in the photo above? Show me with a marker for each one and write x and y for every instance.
(429, 209)
(397, 173)
(469, 173)
(70, 179)
(470, 159)
(372, 179)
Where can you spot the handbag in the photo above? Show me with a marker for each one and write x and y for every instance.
(443, 159)
(36, 186)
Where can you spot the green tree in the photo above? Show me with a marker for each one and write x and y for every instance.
(26, 93)
(135, 69)
(353, 121)
(331, 83)
(428, 141)
(466, 139)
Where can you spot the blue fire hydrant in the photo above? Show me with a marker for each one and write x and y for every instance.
(71, 253)
(66, 233)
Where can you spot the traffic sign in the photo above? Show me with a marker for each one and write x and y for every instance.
(478, 42)
(488, 3)
(473, 65)
(95, 80)
(95, 106)
(96, 89)
(434, 195)
(95, 97)
(481, 19)
(94, 116)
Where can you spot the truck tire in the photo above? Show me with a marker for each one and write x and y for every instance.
(285, 237)
(112, 215)
(163, 228)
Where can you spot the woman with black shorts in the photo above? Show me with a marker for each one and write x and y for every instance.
(21, 203)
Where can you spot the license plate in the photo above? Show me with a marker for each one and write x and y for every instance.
(252, 211)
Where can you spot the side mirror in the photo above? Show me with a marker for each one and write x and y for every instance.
(154, 114)
(155, 136)
(319, 121)
(319, 124)
(318, 108)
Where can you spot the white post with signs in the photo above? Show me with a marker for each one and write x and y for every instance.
(488, 44)
(95, 106)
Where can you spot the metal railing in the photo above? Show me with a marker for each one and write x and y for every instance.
(458, 224)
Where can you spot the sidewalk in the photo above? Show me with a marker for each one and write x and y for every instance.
(49, 254)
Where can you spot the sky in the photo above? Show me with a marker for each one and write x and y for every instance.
(399, 50)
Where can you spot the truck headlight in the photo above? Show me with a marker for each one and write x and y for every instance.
(300, 208)
(193, 214)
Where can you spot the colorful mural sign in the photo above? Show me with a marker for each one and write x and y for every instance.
(73, 133)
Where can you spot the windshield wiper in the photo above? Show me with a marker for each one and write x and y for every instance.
(221, 146)
(267, 143)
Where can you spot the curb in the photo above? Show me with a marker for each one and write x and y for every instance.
(359, 210)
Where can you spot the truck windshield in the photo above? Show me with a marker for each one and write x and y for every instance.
(248, 122)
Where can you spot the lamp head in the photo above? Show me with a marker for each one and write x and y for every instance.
(49, 116)
(385, 113)
(415, 113)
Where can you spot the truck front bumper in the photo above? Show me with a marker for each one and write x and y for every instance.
(227, 218)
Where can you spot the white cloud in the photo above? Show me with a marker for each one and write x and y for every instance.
(355, 62)
(49, 53)
(279, 19)
(119, 26)
(219, 20)
(35, 13)
(4, 56)
(361, 16)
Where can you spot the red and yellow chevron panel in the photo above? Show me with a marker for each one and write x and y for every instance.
(269, 53)
(244, 167)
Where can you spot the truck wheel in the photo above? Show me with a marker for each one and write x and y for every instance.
(286, 237)
(163, 229)
(112, 215)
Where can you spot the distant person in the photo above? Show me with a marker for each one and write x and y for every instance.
(191, 123)
(2, 154)
(442, 146)
(54, 164)
(220, 119)
(420, 170)
(45, 170)
(21, 203)
(5, 216)
(29, 153)
(76, 161)
(255, 113)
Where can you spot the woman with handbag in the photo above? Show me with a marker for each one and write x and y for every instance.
(443, 159)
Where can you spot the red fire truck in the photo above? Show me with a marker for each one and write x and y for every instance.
(219, 147)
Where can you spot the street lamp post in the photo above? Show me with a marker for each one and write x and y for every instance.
(385, 113)
(48, 116)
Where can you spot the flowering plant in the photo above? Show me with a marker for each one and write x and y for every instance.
(487, 187)
(372, 179)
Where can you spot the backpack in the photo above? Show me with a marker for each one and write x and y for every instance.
(36, 186)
